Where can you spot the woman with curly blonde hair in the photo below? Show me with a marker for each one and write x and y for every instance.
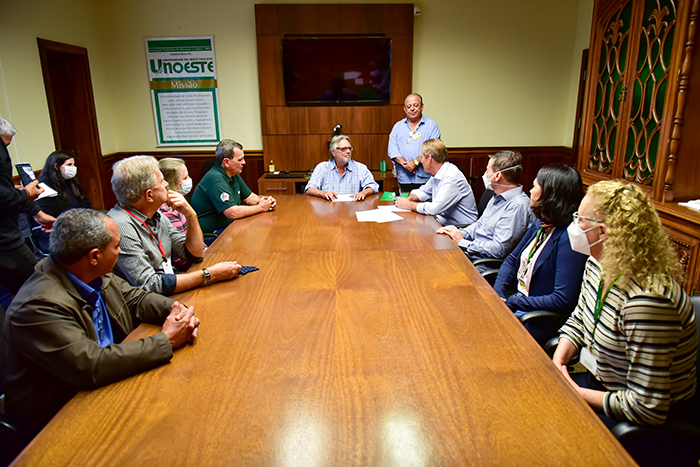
(634, 326)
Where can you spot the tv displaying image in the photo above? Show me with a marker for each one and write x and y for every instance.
(336, 70)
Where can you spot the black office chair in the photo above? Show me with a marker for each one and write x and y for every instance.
(671, 444)
(12, 438)
(29, 232)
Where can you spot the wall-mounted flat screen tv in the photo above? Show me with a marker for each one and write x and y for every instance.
(343, 70)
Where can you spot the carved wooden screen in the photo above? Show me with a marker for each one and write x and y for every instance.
(634, 45)
(610, 89)
(649, 90)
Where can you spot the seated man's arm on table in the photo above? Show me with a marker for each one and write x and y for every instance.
(368, 186)
(314, 187)
(450, 193)
(509, 228)
(51, 337)
(251, 205)
(422, 194)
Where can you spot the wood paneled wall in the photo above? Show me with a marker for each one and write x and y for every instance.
(296, 138)
(198, 162)
(472, 161)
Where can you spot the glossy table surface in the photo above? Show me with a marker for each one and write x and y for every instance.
(355, 344)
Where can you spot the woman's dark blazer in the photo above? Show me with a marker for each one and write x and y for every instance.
(556, 279)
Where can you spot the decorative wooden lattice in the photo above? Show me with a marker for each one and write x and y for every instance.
(649, 90)
(610, 89)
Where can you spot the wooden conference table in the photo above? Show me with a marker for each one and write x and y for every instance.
(355, 344)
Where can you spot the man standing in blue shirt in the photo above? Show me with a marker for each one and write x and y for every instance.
(506, 217)
(405, 142)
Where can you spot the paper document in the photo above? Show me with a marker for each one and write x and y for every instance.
(377, 215)
(341, 198)
(48, 191)
(692, 204)
(392, 208)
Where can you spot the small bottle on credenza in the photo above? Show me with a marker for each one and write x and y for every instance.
(271, 167)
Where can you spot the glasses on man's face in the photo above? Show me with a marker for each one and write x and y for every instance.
(345, 149)
(413, 106)
(577, 217)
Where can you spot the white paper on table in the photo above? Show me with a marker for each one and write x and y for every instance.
(341, 198)
(48, 191)
(392, 208)
(692, 204)
(377, 215)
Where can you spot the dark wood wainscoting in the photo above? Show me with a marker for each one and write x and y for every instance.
(198, 162)
(472, 161)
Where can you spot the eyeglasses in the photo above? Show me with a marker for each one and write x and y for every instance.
(347, 148)
(413, 106)
(577, 217)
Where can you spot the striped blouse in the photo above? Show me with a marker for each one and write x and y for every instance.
(645, 346)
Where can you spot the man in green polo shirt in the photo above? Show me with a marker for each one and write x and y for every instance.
(222, 195)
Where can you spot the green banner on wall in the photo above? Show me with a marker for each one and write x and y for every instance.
(182, 74)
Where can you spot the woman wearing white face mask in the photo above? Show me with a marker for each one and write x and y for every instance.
(175, 173)
(60, 173)
(634, 326)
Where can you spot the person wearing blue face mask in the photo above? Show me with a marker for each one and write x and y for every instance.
(506, 217)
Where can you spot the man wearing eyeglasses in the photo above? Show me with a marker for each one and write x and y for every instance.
(405, 142)
(341, 174)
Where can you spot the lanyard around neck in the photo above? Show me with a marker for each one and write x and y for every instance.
(158, 242)
(600, 301)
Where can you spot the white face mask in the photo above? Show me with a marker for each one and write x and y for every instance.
(186, 186)
(487, 181)
(69, 171)
(578, 239)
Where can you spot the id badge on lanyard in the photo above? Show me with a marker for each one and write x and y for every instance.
(168, 267)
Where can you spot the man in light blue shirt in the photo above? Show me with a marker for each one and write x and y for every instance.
(447, 195)
(507, 216)
(341, 174)
(406, 140)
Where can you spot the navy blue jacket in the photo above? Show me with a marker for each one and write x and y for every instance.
(556, 279)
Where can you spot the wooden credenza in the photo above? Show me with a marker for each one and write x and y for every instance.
(295, 185)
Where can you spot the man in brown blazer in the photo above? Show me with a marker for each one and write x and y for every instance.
(64, 329)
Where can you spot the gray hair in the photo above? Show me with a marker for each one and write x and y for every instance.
(131, 177)
(6, 128)
(76, 232)
(224, 150)
(336, 139)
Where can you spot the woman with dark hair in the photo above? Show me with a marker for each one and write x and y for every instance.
(59, 173)
(548, 272)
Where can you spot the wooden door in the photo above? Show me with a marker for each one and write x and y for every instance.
(72, 109)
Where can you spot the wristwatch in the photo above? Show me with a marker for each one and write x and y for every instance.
(207, 276)
(415, 161)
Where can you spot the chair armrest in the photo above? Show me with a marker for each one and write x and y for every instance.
(490, 275)
(551, 346)
(495, 261)
(542, 314)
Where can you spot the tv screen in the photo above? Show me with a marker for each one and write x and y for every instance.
(336, 70)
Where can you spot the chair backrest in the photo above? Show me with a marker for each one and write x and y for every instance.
(484, 200)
